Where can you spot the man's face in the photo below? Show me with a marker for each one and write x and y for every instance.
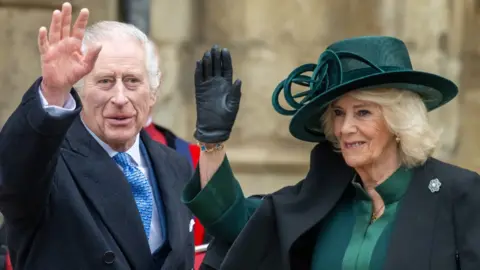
(116, 95)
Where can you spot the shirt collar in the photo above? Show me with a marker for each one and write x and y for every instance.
(134, 151)
(391, 190)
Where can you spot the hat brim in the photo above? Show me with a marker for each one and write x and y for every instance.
(434, 90)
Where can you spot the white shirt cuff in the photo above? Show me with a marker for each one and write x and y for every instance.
(53, 110)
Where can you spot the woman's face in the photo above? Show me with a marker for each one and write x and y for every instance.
(362, 132)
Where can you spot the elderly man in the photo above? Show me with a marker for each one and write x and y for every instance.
(82, 187)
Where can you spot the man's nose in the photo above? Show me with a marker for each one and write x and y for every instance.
(120, 97)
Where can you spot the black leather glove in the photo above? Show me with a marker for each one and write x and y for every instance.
(216, 97)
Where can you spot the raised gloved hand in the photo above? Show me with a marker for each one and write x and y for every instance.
(217, 98)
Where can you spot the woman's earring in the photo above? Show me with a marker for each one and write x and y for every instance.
(397, 139)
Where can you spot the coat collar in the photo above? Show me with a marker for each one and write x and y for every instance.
(106, 188)
(166, 169)
(415, 223)
(134, 151)
(391, 190)
(323, 187)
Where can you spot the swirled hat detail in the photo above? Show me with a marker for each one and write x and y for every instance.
(353, 64)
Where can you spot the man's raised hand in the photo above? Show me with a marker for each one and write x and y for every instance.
(63, 63)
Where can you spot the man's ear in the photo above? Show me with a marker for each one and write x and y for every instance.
(159, 78)
(153, 97)
(154, 92)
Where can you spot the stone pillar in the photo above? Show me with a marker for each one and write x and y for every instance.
(431, 31)
(20, 61)
(468, 153)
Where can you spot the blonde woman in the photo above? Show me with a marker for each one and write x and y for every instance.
(374, 197)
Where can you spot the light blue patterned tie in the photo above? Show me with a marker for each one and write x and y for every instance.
(141, 189)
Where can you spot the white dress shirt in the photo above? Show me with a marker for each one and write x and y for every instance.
(155, 230)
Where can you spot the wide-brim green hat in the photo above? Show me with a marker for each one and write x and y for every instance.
(354, 64)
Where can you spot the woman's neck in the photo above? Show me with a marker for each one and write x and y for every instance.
(373, 175)
(377, 172)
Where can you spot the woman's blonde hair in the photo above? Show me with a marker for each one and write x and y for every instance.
(406, 117)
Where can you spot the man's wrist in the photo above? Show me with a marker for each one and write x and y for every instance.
(53, 96)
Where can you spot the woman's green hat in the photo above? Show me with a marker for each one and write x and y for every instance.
(352, 64)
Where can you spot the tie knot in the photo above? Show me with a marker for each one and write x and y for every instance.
(123, 159)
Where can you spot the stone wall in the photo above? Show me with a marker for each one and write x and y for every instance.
(431, 43)
(468, 153)
(268, 39)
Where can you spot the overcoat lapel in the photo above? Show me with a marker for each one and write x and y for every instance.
(176, 212)
(105, 187)
(321, 190)
(413, 231)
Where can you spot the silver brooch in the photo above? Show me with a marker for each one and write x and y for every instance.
(434, 185)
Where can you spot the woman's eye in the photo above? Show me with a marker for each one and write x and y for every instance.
(337, 112)
(363, 112)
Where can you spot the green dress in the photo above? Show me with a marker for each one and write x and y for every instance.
(347, 240)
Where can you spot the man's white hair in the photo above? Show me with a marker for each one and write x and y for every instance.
(106, 30)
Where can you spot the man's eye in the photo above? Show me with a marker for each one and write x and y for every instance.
(104, 81)
(133, 80)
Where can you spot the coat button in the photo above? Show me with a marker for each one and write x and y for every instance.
(109, 257)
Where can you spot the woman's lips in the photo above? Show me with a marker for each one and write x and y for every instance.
(353, 145)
